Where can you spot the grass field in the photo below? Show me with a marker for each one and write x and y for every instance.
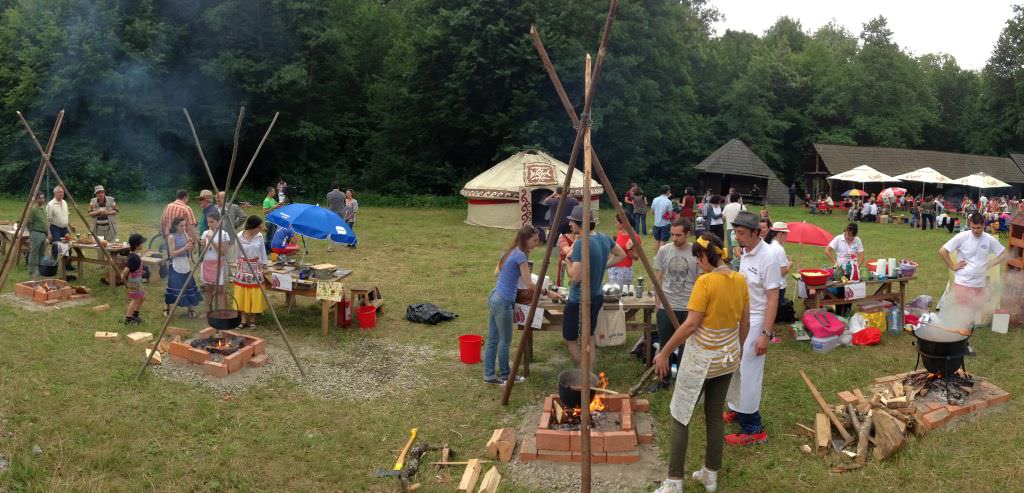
(102, 431)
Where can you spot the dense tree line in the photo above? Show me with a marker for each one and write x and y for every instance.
(417, 96)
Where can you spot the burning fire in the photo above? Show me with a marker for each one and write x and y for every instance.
(220, 344)
(597, 403)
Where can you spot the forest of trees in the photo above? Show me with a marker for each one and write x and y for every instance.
(405, 97)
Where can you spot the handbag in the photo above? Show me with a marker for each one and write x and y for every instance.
(821, 323)
(524, 296)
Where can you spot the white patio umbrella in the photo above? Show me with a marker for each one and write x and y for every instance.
(981, 180)
(863, 174)
(926, 175)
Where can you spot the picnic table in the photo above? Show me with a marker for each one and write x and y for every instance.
(820, 296)
(305, 288)
(118, 251)
(7, 238)
(631, 305)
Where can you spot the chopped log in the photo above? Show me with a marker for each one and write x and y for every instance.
(446, 453)
(106, 336)
(897, 389)
(139, 337)
(490, 481)
(824, 407)
(101, 308)
(559, 412)
(501, 444)
(469, 476)
(156, 359)
(896, 402)
(853, 417)
(863, 407)
(860, 395)
(862, 442)
(412, 464)
(822, 433)
(890, 434)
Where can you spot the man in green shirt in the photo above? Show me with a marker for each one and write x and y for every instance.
(269, 204)
(38, 228)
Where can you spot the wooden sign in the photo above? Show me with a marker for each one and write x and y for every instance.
(332, 291)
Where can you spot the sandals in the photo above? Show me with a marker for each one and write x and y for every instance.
(167, 312)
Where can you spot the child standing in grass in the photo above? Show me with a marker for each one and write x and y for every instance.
(132, 275)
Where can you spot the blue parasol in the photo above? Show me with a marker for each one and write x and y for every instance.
(313, 222)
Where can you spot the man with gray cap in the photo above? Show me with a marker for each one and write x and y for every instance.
(760, 266)
(603, 253)
(102, 209)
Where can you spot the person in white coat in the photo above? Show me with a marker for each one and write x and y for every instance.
(760, 266)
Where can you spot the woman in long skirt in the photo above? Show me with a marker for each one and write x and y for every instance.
(252, 258)
(179, 276)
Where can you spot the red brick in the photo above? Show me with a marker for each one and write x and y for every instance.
(179, 360)
(527, 449)
(545, 420)
(595, 457)
(626, 417)
(998, 398)
(935, 405)
(641, 406)
(206, 333)
(847, 397)
(259, 347)
(234, 362)
(934, 419)
(957, 411)
(215, 369)
(978, 405)
(549, 404)
(596, 441)
(619, 441)
(623, 457)
(553, 440)
(248, 351)
(613, 403)
(259, 361)
(554, 455)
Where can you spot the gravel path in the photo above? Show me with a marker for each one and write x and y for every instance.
(371, 370)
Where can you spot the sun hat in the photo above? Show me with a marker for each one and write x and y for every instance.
(577, 215)
(780, 227)
(98, 189)
(746, 219)
(205, 194)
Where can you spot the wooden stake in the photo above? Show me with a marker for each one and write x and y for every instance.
(469, 476)
(824, 407)
(585, 353)
(822, 433)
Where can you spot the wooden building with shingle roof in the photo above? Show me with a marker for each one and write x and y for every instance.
(825, 160)
(734, 165)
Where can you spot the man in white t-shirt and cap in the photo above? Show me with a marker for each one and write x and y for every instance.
(973, 249)
(760, 266)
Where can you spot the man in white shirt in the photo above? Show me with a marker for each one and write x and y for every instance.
(729, 212)
(846, 247)
(760, 267)
(57, 216)
(659, 206)
(973, 249)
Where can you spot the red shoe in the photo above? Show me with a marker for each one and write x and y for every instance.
(744, 439)
(730, 417)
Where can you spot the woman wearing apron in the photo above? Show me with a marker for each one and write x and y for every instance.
(252, 259)
(718, 318)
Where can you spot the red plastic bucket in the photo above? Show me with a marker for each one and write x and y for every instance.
(469, 348)
(367, 317)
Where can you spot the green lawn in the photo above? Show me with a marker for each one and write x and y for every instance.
(101, 431)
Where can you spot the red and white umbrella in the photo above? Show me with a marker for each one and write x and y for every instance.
(893, 192)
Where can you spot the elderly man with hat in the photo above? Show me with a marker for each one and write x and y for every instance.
(206, 205)
(102, 210)
(759, 264)
(603, 253)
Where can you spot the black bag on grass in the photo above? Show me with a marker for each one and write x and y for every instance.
(427, 313)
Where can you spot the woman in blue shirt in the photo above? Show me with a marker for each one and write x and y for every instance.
(511, 268)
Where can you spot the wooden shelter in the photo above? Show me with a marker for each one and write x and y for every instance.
(824, 160)
(734, 165)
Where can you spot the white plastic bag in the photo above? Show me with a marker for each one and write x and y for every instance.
(857, 323)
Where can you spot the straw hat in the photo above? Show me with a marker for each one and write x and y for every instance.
(780, 227)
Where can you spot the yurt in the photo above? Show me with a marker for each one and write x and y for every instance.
(511, 193)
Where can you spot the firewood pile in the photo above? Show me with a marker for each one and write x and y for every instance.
(875, 425)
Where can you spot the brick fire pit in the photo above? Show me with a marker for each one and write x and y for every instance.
(934, 410)
(47, 291)
(614, 437)
(251, 353)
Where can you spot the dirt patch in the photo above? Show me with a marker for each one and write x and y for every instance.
(31, 306)
(561, 476)
(365, 369)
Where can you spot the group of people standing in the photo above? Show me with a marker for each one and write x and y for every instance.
(49, 222)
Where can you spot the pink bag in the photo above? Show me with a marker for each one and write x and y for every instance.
(821, 323)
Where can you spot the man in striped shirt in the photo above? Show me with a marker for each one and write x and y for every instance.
(176, 209)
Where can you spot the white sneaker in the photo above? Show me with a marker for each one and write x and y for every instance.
(708, 478)
(670, 486)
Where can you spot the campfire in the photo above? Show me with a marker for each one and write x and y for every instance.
(570, 419)
(220, 352)
(49, 291)
(219, 344)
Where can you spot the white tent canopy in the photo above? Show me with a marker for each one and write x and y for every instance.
(507, 195)
(926, 175)
(863, 174)
(981, 180)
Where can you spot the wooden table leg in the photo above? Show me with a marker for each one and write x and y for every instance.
(528, 353)
(649, 332)
(903, 294)
(325, 315)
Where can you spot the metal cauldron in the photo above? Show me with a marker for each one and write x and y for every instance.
(569, 389)
(224, 319)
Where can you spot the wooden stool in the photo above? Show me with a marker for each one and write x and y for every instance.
(366, 294)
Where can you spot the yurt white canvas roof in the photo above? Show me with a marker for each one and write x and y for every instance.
(496, 197)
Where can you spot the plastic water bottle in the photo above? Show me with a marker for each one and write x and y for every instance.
(675, 369)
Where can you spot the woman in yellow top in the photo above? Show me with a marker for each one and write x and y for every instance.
(717, 320)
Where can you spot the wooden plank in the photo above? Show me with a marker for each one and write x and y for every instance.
(822, 433)
(862, 442)
(469, 476)
(490, 481)
(492, 443)
(824, 407)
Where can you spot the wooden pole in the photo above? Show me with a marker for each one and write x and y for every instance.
(560, 210)
(71, 199)
(12, 253)
(585, 353)
(602, 177)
